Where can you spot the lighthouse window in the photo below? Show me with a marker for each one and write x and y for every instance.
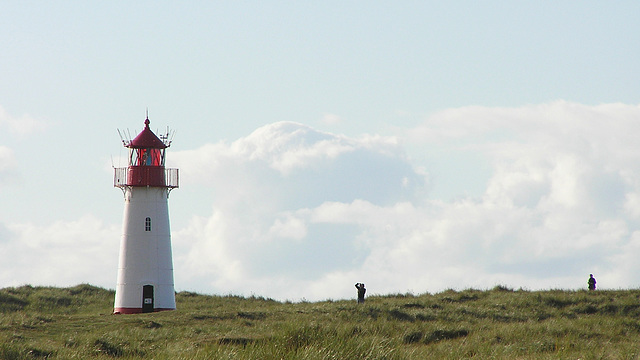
(147, 224)
(147, 157)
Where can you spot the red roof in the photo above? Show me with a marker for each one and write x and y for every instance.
(146, 139)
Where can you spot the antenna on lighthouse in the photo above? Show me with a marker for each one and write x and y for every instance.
(167, 137)
(124, 142)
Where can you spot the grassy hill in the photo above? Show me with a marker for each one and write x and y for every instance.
(76, 322)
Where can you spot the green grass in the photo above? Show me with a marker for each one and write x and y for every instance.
(76, 323)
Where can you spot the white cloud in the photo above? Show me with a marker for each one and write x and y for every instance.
(289, 165)
(7, 158)
(64, 253)
(331, 119)
(289, 227)
(22, 125)
(265, 188)
(8, 163)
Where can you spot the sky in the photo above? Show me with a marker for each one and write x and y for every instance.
(414, 146)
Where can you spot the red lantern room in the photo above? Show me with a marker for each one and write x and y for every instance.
(146, 162)
(147, 148)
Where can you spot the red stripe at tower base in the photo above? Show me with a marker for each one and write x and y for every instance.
(123, 310)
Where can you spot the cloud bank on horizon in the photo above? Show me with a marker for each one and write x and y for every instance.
(295, 212)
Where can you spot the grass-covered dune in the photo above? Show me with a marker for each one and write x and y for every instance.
(76, 323)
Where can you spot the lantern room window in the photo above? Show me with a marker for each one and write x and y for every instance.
(147, 224)
(147, 157)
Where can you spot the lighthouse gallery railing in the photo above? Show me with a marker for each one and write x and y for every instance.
(146, 175)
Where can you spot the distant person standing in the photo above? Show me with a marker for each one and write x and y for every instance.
(361, 292)
(591, 282)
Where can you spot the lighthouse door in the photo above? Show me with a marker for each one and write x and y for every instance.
(147, 298)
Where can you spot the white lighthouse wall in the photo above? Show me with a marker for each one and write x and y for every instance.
(145, 256)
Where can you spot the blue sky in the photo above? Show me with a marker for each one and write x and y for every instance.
(490, 138)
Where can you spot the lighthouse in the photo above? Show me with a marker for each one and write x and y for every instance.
(145, 267)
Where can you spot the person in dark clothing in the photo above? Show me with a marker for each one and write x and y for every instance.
(361, 292)
(591, 282)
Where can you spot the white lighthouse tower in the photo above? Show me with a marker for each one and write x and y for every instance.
(145, 269)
